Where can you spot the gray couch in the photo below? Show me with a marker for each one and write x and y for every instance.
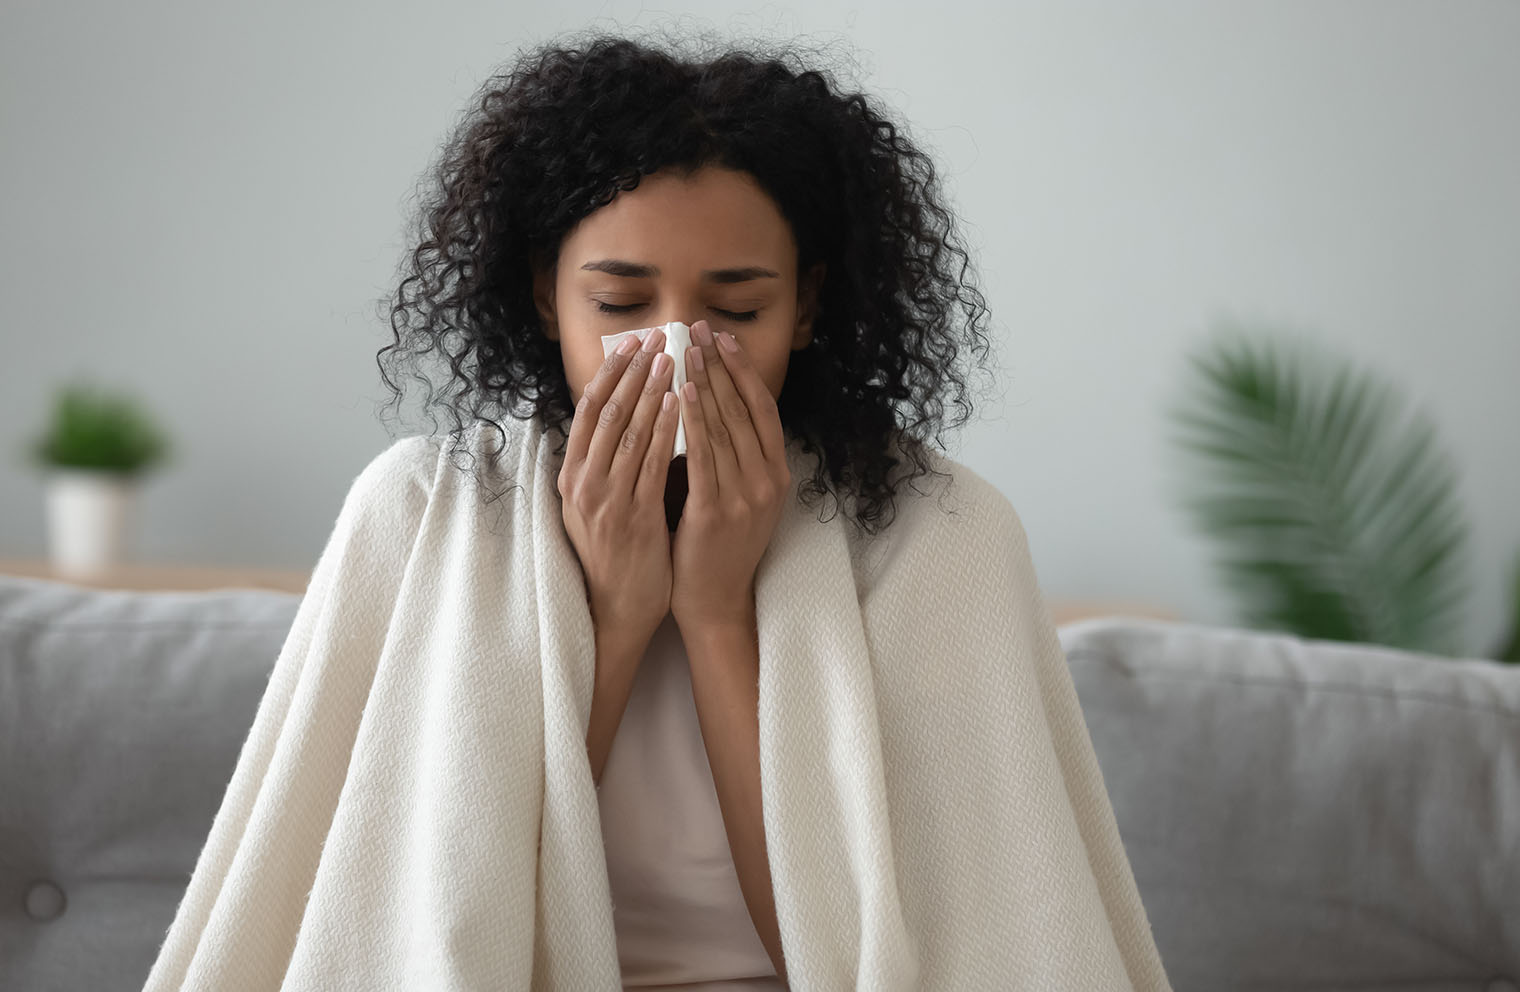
(1298, 814)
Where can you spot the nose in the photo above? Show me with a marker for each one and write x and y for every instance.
(681, 317)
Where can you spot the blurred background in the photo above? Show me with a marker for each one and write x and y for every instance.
(201, 204)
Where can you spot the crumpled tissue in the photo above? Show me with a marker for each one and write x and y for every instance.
(677, 340)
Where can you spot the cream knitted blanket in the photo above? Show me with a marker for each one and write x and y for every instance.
(413, 808)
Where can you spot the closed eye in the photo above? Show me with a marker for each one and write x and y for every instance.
(629, 307)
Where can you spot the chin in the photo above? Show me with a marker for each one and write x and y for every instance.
(675, 491)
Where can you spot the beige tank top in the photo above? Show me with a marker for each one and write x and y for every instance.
(679, 913)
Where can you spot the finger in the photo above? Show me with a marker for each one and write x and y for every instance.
(731, 404)
(613, 418)
(593, 396)
(763, 411)
(650, 487)
(629, 458)
(701, 478)
(720, 442)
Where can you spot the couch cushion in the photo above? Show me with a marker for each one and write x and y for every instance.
(121, 718)
(1310, 814)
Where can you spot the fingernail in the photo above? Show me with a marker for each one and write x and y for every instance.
(727, 340)
(627, 345)
(703, 331)
(653, 340)
(696, 358)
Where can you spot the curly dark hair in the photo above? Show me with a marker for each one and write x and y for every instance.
(567, 126)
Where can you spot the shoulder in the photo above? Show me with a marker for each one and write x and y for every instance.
(950, 506)
(378, 522)
(406, 462)
(952, 526)
(397, 481)
(423, 467)
(957, 548)
(968, 495)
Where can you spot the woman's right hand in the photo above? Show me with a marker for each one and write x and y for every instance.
(612, 487)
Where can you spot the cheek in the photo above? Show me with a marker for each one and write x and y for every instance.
(581, 364)
(772, 364)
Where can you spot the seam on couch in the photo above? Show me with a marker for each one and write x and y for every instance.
(1348, 688)
(64, 626)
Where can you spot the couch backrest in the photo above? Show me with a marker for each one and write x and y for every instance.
(121, 718)
(1309, 814)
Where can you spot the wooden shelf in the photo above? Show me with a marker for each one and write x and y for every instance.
(1069, 611)
(165, 577)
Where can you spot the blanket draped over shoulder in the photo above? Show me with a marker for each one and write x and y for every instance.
(413, 808)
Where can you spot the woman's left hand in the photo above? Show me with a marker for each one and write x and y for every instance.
(737, 480)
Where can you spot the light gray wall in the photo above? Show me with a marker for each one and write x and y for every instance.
(203, 201)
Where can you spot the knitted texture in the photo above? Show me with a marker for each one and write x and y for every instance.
(413, 807)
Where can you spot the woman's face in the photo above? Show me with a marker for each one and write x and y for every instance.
(712, 247)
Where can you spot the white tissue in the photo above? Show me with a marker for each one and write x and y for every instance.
(677, 340)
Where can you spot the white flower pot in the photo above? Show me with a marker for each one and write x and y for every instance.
(88, 513)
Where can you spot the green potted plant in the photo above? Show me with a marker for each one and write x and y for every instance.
(1332, 504)
(94, 448)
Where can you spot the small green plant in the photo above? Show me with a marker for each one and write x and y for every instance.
(93, 429)
(1333, 506)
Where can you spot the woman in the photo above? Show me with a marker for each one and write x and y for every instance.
(807, 774)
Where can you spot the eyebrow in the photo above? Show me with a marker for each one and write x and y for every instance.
(633, 270)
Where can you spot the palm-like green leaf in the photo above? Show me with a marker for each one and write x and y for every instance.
(1508, 650)
(1334, 508)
